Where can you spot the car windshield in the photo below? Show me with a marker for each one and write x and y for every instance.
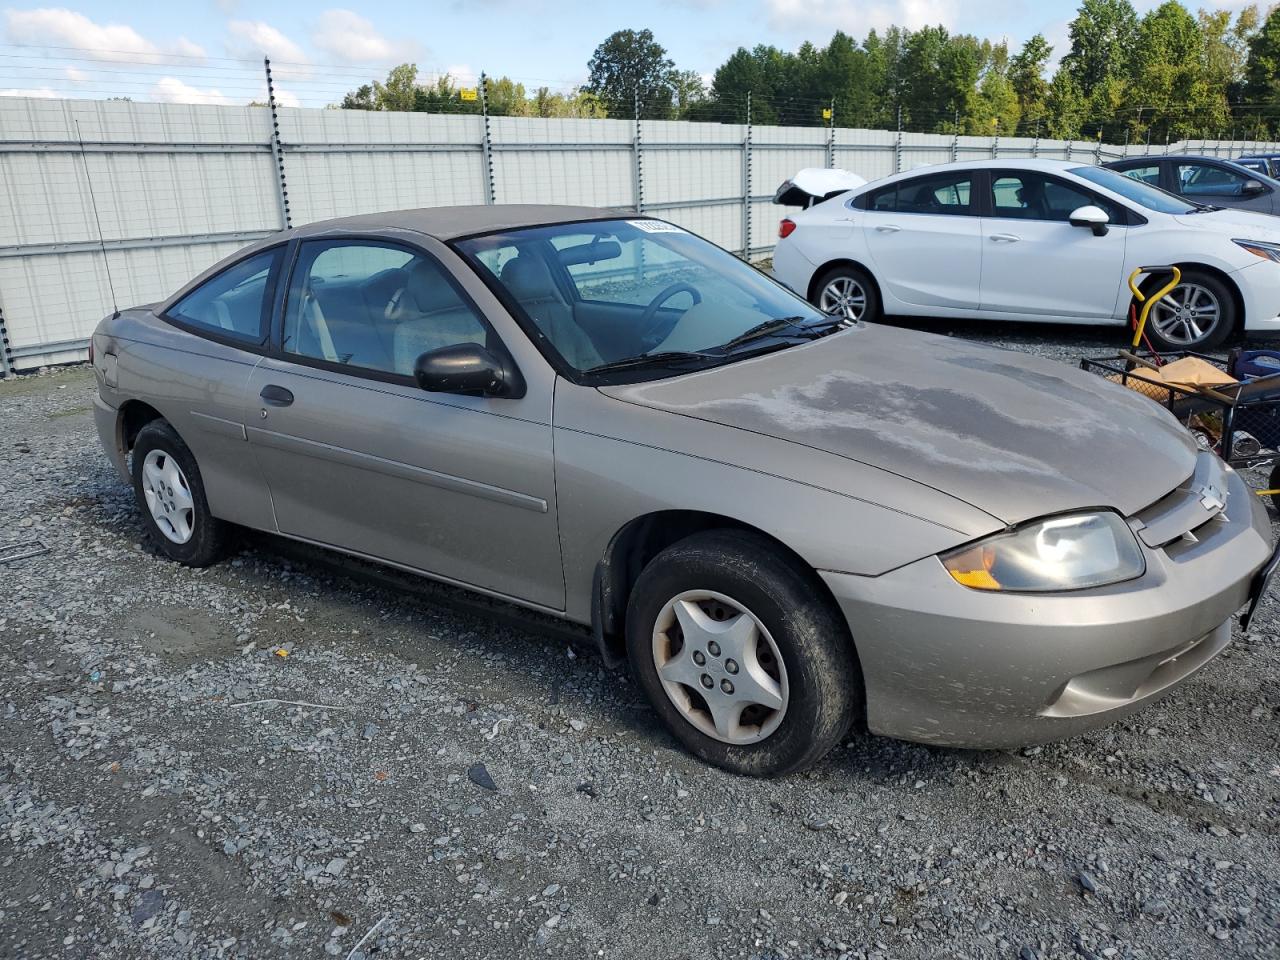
(639, 295)
(1139, 191)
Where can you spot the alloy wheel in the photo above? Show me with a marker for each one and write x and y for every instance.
(168, 496)
(845, 296)
(720, 667)
(1187, 315)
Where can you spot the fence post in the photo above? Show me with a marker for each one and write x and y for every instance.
(277, 149)
(995, 145)
(897, 145)
(746, 187)
(831, 135)
(1035, 147)
(1126, 143)
(491, 193)
(955, 138)
(637, 163)
(1097, 148)
(6, 348)
(1070, 144)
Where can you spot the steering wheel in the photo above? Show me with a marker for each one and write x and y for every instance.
(649, 322)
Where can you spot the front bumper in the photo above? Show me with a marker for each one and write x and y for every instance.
(107, 419)
(945, 664)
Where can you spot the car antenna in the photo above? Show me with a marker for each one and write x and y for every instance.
(102, 244)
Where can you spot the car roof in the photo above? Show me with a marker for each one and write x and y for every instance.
(449, 223)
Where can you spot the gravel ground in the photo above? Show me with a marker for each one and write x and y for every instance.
(421, 776)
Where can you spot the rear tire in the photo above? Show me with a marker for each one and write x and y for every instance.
(1198, 314)
(848, 291)
(170, 493)
(742, 656)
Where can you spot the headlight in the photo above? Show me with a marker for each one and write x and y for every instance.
(1061, 553)
(1267, 251)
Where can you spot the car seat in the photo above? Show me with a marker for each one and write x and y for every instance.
(528, 279)
(428, 314)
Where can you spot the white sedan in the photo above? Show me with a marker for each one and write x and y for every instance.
(1043, 240)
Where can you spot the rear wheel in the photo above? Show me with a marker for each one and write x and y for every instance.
(170, 492)
(1198, 314)
(745, 661)
(849, 292)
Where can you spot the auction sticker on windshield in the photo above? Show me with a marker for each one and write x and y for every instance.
(655, 226)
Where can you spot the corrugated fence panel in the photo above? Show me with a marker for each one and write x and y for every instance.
(167, 181)
(344, 162)
(569, 161)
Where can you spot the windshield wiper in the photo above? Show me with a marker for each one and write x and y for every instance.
(773, 327)
(663, 359)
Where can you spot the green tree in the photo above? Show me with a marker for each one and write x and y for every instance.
(1262, 76)
(688, 91)
(1065, 106)
(1171, 84)
(400, 92)
(1026, 76)
(630, 64)
(1102, 36)
(361, 98)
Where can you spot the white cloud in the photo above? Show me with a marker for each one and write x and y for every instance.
(463, 75)
(188, 48)
(286, 99)
(856, 18)
(58, 27)
(349, 38)
(252, 38)
(173, 90)
(44, 93)
(76, 75)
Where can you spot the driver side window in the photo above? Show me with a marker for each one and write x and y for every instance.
(375, 306)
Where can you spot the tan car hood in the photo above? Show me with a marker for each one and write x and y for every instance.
(1015, 435)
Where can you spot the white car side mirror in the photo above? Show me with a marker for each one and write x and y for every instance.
(1092, 217)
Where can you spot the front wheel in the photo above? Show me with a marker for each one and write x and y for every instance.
(848, 292)
(1198, 314)
(170, 492)
(740, 654)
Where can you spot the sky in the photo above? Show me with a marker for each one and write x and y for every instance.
(204, 50)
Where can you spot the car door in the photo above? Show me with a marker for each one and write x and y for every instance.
(925, 240)
(1206, 182)
(357, 456)
(197, 375)
(1035, 263)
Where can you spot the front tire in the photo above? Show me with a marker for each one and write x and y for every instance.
(847, 291)
(170, 493)
(1198, 314)
(742, 656)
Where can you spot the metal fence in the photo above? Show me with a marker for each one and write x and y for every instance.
(160, 191)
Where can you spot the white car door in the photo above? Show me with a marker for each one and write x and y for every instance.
(925, 242)
(1035, 264)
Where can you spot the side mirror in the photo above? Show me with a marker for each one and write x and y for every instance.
(1095, 218)
(1252, 188)
(462, 368)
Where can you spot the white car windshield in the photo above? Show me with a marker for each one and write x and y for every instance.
(636, 294)
(1144, 194)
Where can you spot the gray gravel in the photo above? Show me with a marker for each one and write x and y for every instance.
(281, 757)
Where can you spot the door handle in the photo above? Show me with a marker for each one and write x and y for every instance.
(888, 228)
(276, 396)
(1005, 238)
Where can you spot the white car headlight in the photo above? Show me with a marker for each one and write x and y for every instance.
(1062, 553)
(1267, 251)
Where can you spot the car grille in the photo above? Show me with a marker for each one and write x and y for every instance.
(1181, 518)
